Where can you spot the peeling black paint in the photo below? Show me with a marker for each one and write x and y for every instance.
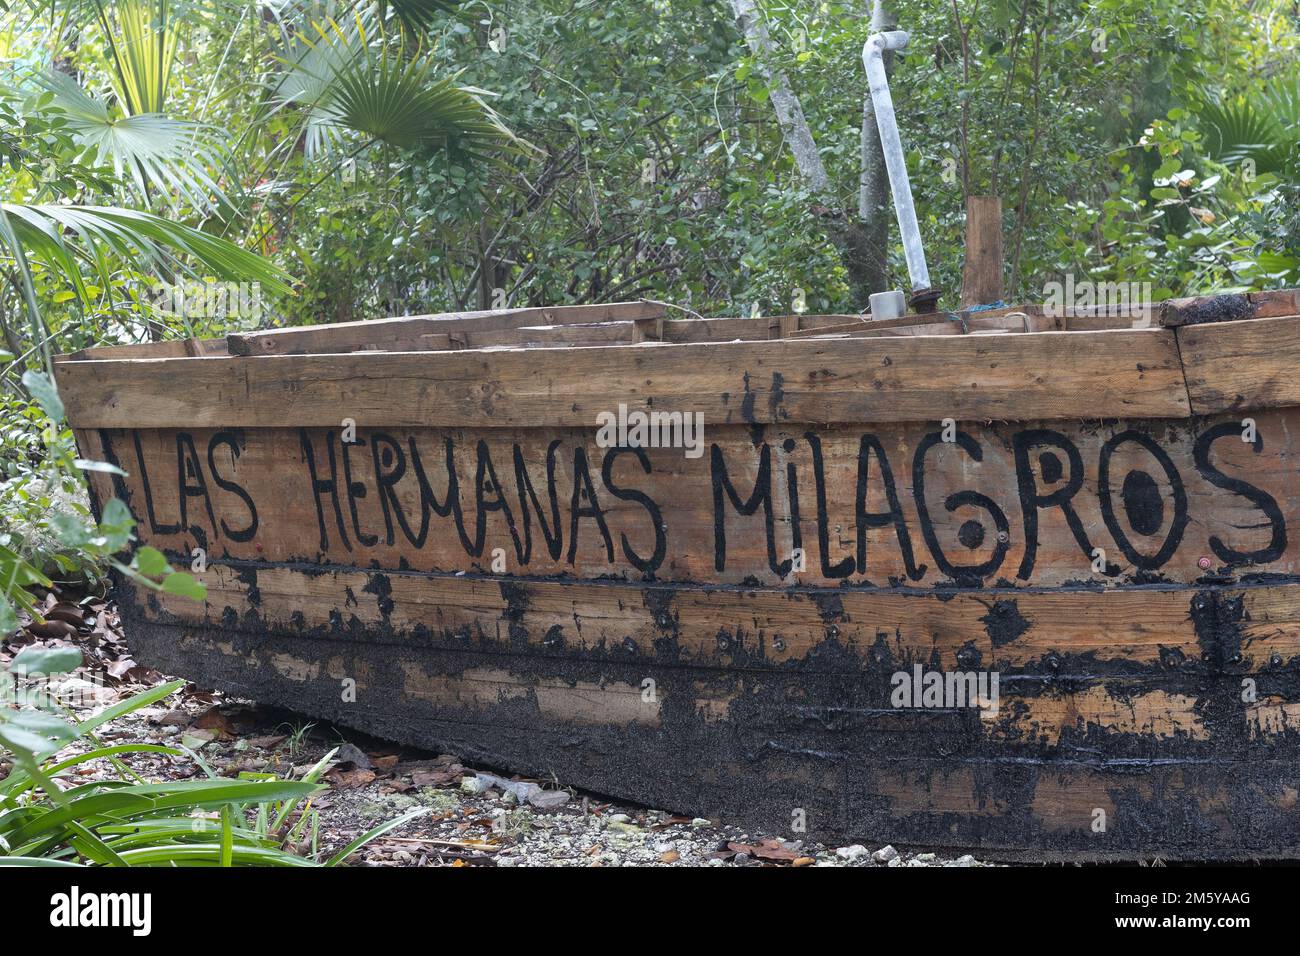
(247, 576)
(1004, 622)
(817, 733)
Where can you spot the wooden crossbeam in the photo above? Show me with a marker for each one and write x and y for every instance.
(1125, 374)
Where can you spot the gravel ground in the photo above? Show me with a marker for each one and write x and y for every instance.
(473, 818)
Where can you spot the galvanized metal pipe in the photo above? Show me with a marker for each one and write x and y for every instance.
(892, 148)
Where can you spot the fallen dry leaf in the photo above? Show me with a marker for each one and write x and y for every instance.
(51, 629)
(220, 724)
(767, 850)
(68, 613)
(672, 856)
(120, 668)
(433, 778)
(350, 779)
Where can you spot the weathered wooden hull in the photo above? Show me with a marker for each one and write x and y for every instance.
(1153, 732)
(752, 633)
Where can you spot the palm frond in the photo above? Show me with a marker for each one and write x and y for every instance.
(355, 79)
(64, 238)
(153, 151)
(142, 39)
(1263, 128)
(416, 16)
(400, 102)
(310, 68)
(1282, 100)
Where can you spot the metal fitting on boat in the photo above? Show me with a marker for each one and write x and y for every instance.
(924, 296)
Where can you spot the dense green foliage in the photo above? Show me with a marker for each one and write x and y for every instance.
(353, 144)
(124, 820)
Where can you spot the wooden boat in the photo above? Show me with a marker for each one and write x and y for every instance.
(1004, 581)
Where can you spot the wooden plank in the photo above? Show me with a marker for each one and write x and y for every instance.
(630, 690)
(981, 279)
(976, 323)
(1040, 375)
(1069, 634)
(1231, 307)
(549, 336)
(1097, 323)
(867, 505)
(408, 333)
(172, 348)
(1275, 303)
(1241, 365)
(648, 330)
(895, 331)
(1196, 310)
(864, 323)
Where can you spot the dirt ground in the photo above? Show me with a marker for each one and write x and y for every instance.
(474, 817)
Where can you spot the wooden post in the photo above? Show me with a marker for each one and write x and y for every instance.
(981, 277)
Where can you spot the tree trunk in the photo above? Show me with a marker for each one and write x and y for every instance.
(844, 231)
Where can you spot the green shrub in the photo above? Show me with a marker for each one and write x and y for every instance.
(127, 821)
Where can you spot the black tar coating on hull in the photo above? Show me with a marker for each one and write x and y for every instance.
(1004, 622)
(817, 735)
(1218, 308)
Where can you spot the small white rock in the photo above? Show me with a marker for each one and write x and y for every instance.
(885, 854)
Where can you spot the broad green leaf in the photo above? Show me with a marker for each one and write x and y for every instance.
(42, 723)
(18, 740)
(151, 562)
(8, 619)
(69, 530)
(35, 861)
(183, 584)
(116, 525)
(45, 392)
(86, 464)
(46, 660)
